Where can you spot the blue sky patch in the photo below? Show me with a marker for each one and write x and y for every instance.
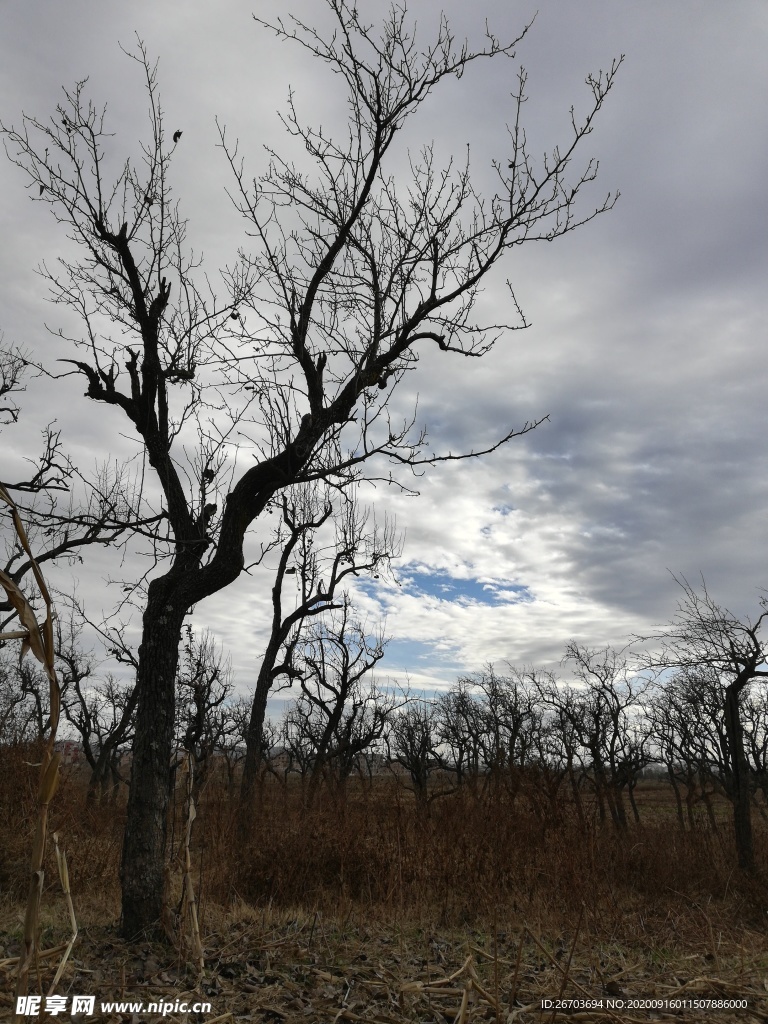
(470, 590)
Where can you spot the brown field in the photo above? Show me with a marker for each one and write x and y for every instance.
(371, 908)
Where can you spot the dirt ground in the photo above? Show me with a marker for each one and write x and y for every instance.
(270, 968)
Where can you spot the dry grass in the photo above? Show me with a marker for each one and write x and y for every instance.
(369, 909)
(468, 860)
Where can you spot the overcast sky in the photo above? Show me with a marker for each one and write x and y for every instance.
(647, 345)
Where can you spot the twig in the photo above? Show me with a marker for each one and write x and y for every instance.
(564, 981)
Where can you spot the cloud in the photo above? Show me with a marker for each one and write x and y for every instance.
(646, 344)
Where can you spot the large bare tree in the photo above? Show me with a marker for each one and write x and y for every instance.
(352, 272)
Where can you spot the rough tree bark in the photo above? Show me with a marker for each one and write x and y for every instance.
(143, 859)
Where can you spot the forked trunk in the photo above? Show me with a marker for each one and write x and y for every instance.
(142, 870)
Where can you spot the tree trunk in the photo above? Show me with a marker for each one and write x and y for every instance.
(632, 802)
(116, 780)
(577, 801)
(678, 798)
(104, 788)
(742, 811)
(600, 788)
(321, 754)
(554, 782)
(142, 870)
(616, 803)
(97, 785)
(705, 797)
(254, 741)
(690, 796)
(93, 794)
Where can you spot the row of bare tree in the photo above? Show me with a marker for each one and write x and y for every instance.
(539, 740)
(523, 734)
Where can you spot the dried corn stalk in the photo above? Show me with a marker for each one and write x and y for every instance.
(39, 640)
(189, 929)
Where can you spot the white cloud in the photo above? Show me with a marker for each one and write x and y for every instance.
(648, 325)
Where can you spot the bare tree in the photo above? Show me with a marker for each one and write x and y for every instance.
(510, 720)
(669, 734)
(460, 728)
(413, 742)
(101, 711)
(353, 274)
(23, 710)
(204, 687)
(353, 746)
(298, 742)
(319, 571)
(704, 636)
(611, 725)
(562, 717)
(236, 715)
(688, 728)
(26, 699)
(335, 658)
(512, 730)
(549, 764)
(358, 740)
